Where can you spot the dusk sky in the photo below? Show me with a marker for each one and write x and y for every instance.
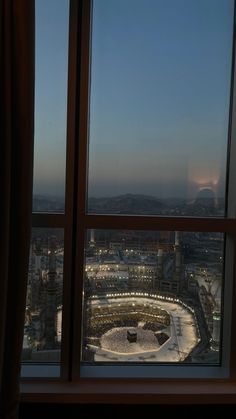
(51, 49)
(160, 80)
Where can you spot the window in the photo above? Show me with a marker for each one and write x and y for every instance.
(145, 241)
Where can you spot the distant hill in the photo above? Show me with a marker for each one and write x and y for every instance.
(48, 203)
(125, 204)
(203, 205)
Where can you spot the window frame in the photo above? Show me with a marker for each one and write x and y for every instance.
(75, 221)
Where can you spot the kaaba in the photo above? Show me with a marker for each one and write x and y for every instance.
(131, 336)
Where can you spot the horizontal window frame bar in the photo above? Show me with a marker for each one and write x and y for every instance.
(155, 371)
(47, 220)
(41, 370)
(134, 222)
(130, 392)
(139, 222)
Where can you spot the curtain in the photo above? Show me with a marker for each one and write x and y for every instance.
(16, 166)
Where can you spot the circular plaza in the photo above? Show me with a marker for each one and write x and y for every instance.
(139, 327)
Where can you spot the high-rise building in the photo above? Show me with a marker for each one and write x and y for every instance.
(50, 315)
(216, 327)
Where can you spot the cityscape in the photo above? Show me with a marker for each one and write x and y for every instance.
(43, 315)
(148, 296)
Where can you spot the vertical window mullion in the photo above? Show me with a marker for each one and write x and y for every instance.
(228, 337)
(70, 199)
(82, 139)
(231, 187)
(229, 320)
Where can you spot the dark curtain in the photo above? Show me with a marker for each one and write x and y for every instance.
(16, 163)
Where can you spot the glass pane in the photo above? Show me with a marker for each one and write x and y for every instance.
(51, 49)
(159, 106)
(152, 297)
(43, 316)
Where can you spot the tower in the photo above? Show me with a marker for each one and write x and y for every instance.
(159, 273)
(51, 299)
(216, 328)
(92, 238)
(178, 254)
(176, 284)
(177, 238)
(160, 262)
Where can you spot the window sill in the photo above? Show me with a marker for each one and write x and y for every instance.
(129, 392)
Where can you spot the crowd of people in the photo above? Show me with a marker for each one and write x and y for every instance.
(116, 340)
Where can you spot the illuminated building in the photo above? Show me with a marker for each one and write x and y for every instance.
(50, 315)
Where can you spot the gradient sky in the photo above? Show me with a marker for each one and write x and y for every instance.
(160, 81)
(52, 20)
